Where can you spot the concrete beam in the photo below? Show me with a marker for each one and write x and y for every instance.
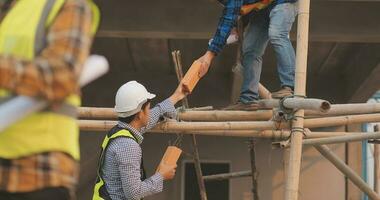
(362, 72)
(330, 20)
(368, 87)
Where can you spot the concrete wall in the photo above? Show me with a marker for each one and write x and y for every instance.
(319, 178)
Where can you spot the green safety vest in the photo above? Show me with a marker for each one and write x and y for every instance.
(100, 191)
(23, 35)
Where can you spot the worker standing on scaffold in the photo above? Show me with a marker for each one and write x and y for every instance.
(268, 21)
(121, 174)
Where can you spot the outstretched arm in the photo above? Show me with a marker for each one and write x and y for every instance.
(226, 23)
(165, 108)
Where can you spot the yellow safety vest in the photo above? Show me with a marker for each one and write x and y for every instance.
(23, 35)
(100, 191)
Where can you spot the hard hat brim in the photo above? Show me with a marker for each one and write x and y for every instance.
(150, 96)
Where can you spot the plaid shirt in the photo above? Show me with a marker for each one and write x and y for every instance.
(121, 167)
(53, 74)
(68, 44)
(228, 20)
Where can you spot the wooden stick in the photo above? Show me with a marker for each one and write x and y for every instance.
(347, 171)
(292, 181)
(178, 70)
(320, 105)
(197, 162)
(254, 173)
(221, 177)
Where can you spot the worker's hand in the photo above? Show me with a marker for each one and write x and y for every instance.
(167, 171)
(205, 60)
(178, 94)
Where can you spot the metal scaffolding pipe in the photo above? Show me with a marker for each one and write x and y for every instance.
(347, 171)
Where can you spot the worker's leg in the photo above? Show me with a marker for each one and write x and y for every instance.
(56, 193)
(282, 17)
(254, 44)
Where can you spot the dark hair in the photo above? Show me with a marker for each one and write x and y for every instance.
(132, 117)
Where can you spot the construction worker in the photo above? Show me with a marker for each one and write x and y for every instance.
(43, 46)
(270, 23)
(121, 173)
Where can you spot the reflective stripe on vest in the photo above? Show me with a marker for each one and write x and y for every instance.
(100, 192)
(23, 35)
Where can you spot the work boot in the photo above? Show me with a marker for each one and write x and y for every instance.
(251, 106)
(285, 91)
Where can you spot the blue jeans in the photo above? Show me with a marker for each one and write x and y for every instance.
(273, 25)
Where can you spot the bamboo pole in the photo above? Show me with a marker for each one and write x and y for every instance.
(342, 139)
(264, 92)
(185, 104)
(224, 115)
(348, 109)
(292, 181)
(221, 177)
(91, 125)
(179, 72)
(376, 154)
(341, 120)
(320, 105)
(198, 170)
(220, 115)
(254, 172)
(268, 125)
(347, 171)
(187, 115)
(173, 126)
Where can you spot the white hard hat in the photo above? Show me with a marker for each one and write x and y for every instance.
(130, 98)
